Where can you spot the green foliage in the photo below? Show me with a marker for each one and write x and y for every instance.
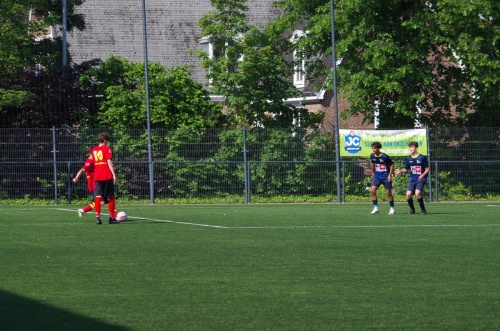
(48, 98)
(14, 98)
(176, 101)
(407, 60)
(23, 43)
(451, 189)
(268, 152)
(35, 91)
(249, 69)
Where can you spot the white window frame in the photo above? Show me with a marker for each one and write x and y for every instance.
(211, 50)
(299, 75)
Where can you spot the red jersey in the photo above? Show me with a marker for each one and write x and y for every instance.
(101, 155)
(89, 168)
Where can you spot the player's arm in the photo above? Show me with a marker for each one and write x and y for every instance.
(401, 171)
(391, 171)
(112, 169)
(372, 168)
(82, 170)
(426, 171)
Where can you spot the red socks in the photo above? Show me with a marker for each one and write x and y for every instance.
(97, 204)
(112, 206)
(88, 208)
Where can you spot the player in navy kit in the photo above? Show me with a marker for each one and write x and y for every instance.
(419, 167)
(382, 167)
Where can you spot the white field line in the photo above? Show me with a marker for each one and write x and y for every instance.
(309, 226)
(364, 226)
(177, 222)
(158, 220)
(9, 208)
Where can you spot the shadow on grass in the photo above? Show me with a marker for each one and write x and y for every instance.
(18, 313)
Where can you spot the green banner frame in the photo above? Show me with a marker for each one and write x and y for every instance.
(357, 143)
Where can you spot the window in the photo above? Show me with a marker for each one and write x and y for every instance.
(299, 76)
(207, 47)
(214, 52)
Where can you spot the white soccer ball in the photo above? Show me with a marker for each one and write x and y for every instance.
(121, 216)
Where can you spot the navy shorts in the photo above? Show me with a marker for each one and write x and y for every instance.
(387, 184)
(412, 185)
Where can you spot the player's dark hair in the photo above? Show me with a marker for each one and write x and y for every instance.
(376, 144)
(102, 137)
(413, 143)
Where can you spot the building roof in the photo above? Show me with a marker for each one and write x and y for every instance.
(116, 28)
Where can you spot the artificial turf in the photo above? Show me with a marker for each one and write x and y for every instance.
(251, 267)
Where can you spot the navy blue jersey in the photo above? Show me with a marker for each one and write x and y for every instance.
(382, 165)
(417, 165)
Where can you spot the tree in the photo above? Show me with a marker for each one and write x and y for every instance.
(248, 68)
(25, 53)
(408, 60)
(176, 101)
(23, 42)
(49, 98)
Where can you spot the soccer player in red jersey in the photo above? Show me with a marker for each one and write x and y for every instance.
(88, 169)
(104, 178)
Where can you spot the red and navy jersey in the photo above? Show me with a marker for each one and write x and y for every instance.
(416, 165)
(89, 168)
(382, 165)
(101, 155)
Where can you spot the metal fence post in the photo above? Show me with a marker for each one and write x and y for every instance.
(54, 160)
(429, 159)
(343, 182)
(69, 182)
(148, 112)
(246, 166)
(436, 180)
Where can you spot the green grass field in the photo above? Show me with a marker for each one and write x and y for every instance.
(252, 267)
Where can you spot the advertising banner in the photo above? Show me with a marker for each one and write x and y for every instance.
(394, 142)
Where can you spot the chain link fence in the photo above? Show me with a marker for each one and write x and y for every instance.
(236, 165)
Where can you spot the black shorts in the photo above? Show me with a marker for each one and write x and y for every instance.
(104, 188)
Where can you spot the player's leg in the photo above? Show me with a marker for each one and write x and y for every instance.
(87, 208)
(409, 199)
(112, 206)
(110, 194)
(390, 197)
(375, 184)
(418, 194)
(91, 205)
(98, 192)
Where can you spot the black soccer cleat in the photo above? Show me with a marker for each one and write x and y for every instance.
(98, 221)
(423, 212)
(113, 221)
(412, 211)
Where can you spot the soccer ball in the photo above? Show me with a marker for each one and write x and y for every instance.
(121, 216)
